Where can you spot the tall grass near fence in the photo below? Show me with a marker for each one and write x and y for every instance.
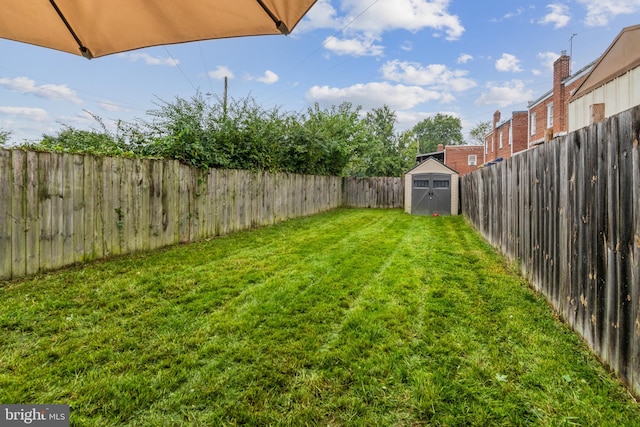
(569, 213)
(60, 209)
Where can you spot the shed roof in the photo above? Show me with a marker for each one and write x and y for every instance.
(432, 163)
(436, 154)
(621, 56)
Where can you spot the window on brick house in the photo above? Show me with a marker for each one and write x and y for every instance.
(510, 134)
(472, 160)
(533, 124)
(550, 115)
(500, 143)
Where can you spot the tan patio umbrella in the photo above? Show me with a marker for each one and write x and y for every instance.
(94, 28)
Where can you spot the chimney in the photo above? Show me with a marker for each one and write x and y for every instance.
(440, 147)
(560, 73)
(496, 119)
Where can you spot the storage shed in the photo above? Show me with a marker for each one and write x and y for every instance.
(431, 188)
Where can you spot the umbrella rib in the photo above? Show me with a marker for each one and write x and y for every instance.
(83, 49)
(281, 26)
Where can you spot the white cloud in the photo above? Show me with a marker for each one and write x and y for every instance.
(354, 47)
(220, 73)
(149, 60)
(510, 15)
(412, 15)
(558, 15)
(47, 91)
(518, 12)
(436, 75)
(407, 46)
(547, 59)
(507, 63)
(374, 95)
(513, 92)
(269, 78)
(321, 15)
(600, 12)
(34, 114)
(464, 58)
(363, 17)
(110, 106)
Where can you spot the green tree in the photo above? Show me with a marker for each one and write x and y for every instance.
(323, 141)
(439, 129)
(479, 131)
(407, 148)
(379, 155)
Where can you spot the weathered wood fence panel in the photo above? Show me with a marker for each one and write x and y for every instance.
(59, 209)
(568, 213)
(378, 192)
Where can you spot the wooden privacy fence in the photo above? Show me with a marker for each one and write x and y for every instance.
(569, 213)
(59, 209)
(379, 192)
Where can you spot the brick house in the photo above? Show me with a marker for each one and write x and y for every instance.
(506, 137)
(548, 114)
(461, 158)
(545, 118)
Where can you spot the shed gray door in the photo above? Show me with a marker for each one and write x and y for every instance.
(431, 193)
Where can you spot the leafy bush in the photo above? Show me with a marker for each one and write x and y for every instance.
(4, 136)
(240, 134)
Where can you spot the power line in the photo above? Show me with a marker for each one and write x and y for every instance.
(334, 34)
(206, 69)
(195, 89)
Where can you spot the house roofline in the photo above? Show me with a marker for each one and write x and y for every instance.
(581, 90)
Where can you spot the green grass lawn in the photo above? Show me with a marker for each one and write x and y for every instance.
(353, 317)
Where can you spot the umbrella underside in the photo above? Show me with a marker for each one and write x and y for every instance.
(95, 28)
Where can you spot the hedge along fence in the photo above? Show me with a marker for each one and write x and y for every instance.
(60, 209)
(569, 213)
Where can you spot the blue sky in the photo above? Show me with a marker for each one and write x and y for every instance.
(464, 58)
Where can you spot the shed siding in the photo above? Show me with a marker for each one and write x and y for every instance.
(432, 166)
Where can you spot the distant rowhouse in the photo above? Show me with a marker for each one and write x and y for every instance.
(461, 158)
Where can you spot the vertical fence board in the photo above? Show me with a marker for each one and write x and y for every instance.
(32, 226)
(635, 280)
(624, 260)
(127, 210)
(601, 247)
(6, 220)
(79, 207)
(68, 248)
(184, 208)
(18, 209)
(592, 238)
(612, 309)
(57, 211)
(45, 210)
